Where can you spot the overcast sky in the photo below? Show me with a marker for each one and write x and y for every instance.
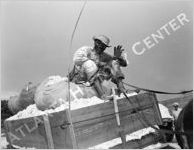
(35, 37)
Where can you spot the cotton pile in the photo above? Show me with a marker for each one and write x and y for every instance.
(32, 110)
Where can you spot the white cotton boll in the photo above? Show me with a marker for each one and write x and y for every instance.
(28, 112)
(32, 110)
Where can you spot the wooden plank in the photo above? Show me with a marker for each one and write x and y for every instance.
(90, 132)
(35, 134)
(7, 134)
(116, 108)
(49, 136)
(62, 130)
(61, 137)
(154, 106)
(121, 132)
(107, 108)
(92, 135)
(27, 134)
(157, 114)
(58, 118)
(71, 129)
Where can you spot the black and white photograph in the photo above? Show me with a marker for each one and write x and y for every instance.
(96, 74)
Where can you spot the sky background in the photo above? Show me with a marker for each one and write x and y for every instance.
(35, 39)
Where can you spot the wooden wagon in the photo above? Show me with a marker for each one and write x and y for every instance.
(88, 126)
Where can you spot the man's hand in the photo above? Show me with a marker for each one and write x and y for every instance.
(118, 51)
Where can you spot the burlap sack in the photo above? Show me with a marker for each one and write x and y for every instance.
(49, 93)
(54, 91)
(25, 98)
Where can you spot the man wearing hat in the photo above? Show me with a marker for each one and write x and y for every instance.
(176, 110)
(87, 60)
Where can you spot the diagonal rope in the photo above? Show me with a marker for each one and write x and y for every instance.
(76, 24)
(70, 48)
(158, 92)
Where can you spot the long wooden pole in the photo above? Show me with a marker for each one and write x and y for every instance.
(121, 132)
